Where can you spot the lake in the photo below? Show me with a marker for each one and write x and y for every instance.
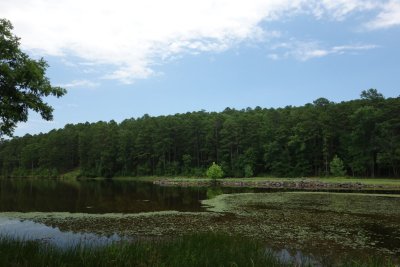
(102, 196)
(95, 212)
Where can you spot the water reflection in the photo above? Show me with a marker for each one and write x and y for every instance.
(106, 196)
(28, 230)
(296, 258)
(95, 196)
(101, 196)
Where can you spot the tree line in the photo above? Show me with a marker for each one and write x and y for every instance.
(285, 142)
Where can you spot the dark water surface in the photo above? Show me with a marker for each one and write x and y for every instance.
(101, 196)
(90, 196)
(109, 196)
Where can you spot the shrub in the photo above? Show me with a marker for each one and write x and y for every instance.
(337, 167)
(215, 171)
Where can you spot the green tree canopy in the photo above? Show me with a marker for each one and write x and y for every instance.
(215, 171)
(23, 83)
(337, 167)
(371, 94)
(283, 142)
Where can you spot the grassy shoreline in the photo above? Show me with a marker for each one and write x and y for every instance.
(192, 250)
(207, 249)
(382, 181)
(313, 184)
(366, 183)
(362, 180)
(391, 185)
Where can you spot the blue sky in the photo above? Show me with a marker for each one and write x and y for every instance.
(121, 59)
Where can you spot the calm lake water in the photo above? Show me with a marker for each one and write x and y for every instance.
(94, 196)
(90, 196)
(29, 230)
(102, 196)
(106, 196)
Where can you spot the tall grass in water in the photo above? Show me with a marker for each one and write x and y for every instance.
(193, 250)
(369, 262)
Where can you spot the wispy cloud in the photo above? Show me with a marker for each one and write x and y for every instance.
(68, 63)
(135, 36)
(306, 50)
(352, 48)
(80, 84)
(339, 9)
(388, 17)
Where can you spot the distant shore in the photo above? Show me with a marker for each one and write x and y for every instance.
(289, 183)
(303, 183)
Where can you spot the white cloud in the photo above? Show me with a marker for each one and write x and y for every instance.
(68, 63)
(135, 36)
(80, 84)
(306, 50)
(351, 48)
(273, 56)
(388, 17)
(339, 9)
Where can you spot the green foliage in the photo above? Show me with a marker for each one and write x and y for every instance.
(371, 94)
(23, 83)
(198, 172)
(215, 171)
(248, 171)
(283, 142)
(187, 162)
(337, 167)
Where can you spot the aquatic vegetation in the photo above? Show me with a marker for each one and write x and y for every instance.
(321, 224)
(318, 201)
(191, 250)
(207, 249)
(316, 223)
(326, 222)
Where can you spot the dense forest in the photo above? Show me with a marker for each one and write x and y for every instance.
(284, 142)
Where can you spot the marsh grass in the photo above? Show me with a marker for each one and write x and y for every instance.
(207, 249)
(194, 250)
(369, 262)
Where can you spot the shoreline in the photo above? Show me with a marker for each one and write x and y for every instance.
(296, 184)
(312, 184)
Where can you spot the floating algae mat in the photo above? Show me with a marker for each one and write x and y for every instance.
(316, 201)
(326, 223)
